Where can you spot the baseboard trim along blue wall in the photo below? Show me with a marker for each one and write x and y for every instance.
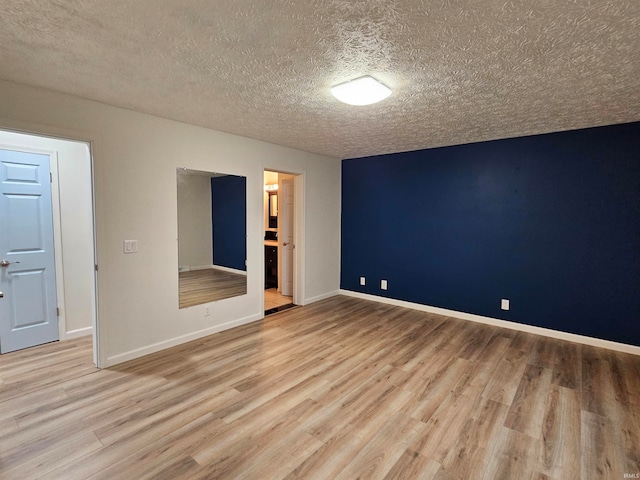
(520, 327)
(550, 222)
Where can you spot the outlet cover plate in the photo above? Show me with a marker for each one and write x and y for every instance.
(130, 246)
(504, 304)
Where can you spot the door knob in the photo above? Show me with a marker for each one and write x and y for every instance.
(6, 263)
(285, 244)
(1, 295)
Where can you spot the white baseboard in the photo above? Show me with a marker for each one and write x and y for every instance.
(217, 267)
(230, 270)
(156, 347)
(317, 298)
(546, 332)
(78, 332)
(189, 268)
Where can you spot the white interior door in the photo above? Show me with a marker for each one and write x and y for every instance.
(28, 309)
(285, 219)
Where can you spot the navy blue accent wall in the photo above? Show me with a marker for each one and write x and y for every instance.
(229, 219)
(550, 222)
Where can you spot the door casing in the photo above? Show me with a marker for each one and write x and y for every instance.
(299, 187)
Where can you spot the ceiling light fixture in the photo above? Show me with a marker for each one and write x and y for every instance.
(361, 91)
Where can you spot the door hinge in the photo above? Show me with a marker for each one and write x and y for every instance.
(96, 268)
(50, 177)
(58, 311)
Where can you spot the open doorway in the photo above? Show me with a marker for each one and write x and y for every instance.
(49, 281)
(279, 243)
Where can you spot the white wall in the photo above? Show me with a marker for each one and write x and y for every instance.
(75, 252)
(135, 158)
(195, 235)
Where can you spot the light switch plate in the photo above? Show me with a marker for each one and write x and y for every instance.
(130, 246)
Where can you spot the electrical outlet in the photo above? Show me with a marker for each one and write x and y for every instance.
(504, 304)
(207, 310)
(363, 281)
(130, 246)
(383, 284)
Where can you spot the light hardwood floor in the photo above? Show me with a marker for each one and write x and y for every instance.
(208, 285)
(342, 388)
(274, 299)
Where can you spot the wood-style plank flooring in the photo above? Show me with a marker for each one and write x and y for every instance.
(342, 388)
(274, 299)
(208, 285)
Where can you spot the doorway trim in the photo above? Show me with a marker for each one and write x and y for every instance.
(57, 244)
(91, 140)
(299, 189)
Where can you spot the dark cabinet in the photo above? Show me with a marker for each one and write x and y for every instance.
(270, 267)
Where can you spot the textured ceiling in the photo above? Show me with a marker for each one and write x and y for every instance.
(461, 70)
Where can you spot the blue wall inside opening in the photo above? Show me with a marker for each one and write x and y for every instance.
(229, 220)
(550, 222)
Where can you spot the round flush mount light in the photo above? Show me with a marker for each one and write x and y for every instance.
(361, 91)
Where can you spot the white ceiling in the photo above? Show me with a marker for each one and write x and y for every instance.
(461, 70)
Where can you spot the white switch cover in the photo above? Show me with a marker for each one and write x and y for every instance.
(131, 246)
(504, 304)
(383, 284)
(363, 281)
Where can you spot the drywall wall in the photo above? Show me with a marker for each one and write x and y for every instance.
(550, 222)
(74, 254)
(194, 220)
(135, 158)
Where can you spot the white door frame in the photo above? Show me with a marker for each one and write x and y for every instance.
(57, 244)
(41, 131)
(299, 189)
